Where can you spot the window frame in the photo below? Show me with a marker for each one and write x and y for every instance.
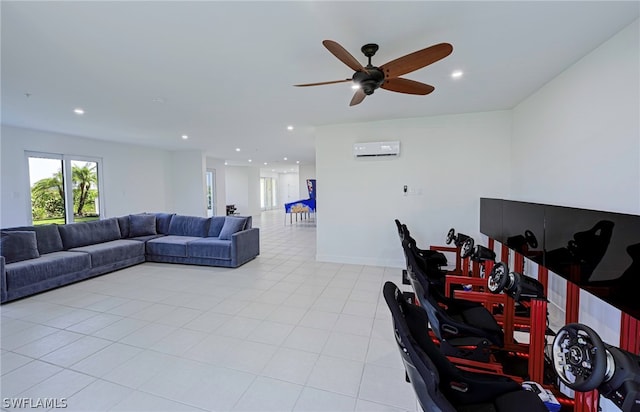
(67, 181)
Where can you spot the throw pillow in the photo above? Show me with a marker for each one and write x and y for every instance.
(18, 246)
(231, 225)
(216, 226)
(142, 225)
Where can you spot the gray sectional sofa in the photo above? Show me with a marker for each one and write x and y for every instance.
(39, 258)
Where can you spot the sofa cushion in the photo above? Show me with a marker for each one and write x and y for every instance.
(231, 225)
(146, 238)
(163, 220)
(47, 236)
(216, 225)
(210, 248)
(189, 226)
(18, 245)
(29, 272)
(169, 245)
(123, 224)
(142, 225)
(83, 234)
(107, 253)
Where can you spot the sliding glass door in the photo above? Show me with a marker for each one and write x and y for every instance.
(268, 199)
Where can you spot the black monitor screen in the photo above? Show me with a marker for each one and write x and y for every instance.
(523, 228)
(491, 218)
(599, 251)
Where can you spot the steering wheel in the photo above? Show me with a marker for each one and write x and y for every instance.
(450, 235)
(531, 239)
(498, 277)
(467, 248)
(579, 357)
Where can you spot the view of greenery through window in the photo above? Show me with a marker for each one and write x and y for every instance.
(48, 192)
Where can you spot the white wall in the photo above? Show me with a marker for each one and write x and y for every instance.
(135, 178)
(449, 162)
(237, 182)
(576, 141)
(289, 189)
(188, 194)
(243, 189)
(253, 188)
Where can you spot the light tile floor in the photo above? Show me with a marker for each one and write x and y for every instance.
(281, 333)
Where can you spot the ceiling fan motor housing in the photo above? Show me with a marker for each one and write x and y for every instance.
(370, 80)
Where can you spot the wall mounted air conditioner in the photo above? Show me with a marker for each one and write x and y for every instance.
(376, 149)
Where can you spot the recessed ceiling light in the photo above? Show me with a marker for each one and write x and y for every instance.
(225, 163)
(184, 137)
(284, 158)
(289, 127)
(265, 163)
(237, 149)
(297, 162)
(457, 74)
(78, 111)
(250, 160)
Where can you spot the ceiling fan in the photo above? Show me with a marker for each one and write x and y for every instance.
(368, 78)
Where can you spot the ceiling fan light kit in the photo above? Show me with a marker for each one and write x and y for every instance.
(369, 78)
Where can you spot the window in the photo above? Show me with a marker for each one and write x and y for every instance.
(210, 177)
(64, 189)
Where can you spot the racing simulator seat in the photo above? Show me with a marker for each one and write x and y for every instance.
(583, 363)
(430, 258)
(465, 329)
(439, 385)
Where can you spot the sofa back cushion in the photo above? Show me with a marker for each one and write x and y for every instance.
(123, 224)
(143, 224)
(163, 220)
(232, 225)
(18, 245)
(189, 226)
(216, 225)
(89, 233)
(47, 236)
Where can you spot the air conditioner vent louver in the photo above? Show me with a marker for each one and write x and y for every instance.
(376, 149)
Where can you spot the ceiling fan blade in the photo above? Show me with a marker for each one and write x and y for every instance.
(416, 60)
(358, 97)
(343, 55)
(401, 85)
(321, 83)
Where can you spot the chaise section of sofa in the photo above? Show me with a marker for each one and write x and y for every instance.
(226, 241)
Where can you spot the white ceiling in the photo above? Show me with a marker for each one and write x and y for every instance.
(222, 72)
